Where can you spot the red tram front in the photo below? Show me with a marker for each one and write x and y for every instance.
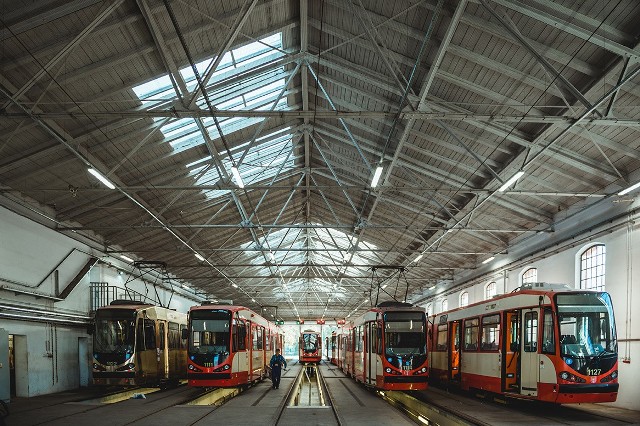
(389, 349)
(229, 346)
(310, 347)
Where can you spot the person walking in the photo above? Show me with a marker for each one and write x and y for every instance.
(277, 363)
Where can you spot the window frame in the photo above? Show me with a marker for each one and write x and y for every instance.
(589, 265)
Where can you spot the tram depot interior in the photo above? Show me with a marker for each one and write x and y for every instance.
(309, 159)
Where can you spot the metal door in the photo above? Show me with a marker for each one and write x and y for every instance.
(371, 353)
(529, 362)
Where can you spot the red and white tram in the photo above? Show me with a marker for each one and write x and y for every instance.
(543, 342)
(310, 346)
(386, 348)
(229, 346)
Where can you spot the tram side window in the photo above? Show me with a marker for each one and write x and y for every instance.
(149, 334)
(260, 334)
(490, 333)
(548, 333)
(267, 340)
(379, 339)
(183, 342)
(441, 343)
(239, 335)
(359, 339)
(531, 332)
(471, 331)
(174, 335)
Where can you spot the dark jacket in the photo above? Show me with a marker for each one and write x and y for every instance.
(277, 359)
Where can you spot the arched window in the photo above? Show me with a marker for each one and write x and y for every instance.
(530, 276)
(464, 298)
(490, 290)
(445, 305)
(592, 262)
(430, 309)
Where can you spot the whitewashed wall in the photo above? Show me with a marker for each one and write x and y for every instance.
(28, 253)
(561, 265)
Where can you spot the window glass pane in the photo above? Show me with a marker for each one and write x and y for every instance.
(530, 276)
(490, 333)
(471, 331)
(490, 290)
(464, 299)
(592, 268)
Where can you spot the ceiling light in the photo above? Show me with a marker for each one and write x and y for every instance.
(102, 179)
(488, 260)
(376, 176)
(237, 177)
(199, 257)
(629, 189)
(417, 259)
(384, 286)
(511, 181)
(128, 259)
(234, 285)
(253, 300)
(432, 287)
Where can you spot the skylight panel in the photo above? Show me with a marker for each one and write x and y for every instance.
(227, 90)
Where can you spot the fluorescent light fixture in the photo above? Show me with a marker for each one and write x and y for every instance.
(101, 178)
(199, 257)
(511, 181)
(237, 177)
(234, 285)
(417, 259)
(629, 189)
(488, 260)
(432, 287)
(128, 259)
(253, 300)
(384, 286)
(376, 176)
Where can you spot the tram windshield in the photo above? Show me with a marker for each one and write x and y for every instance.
(587, 325)
(210, 332)
(309, 342)
(114, 332)
(404, 333)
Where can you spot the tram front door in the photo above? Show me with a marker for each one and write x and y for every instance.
(530, 365)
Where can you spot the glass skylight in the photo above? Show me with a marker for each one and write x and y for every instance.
(258, 90)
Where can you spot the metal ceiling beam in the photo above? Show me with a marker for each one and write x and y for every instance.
(570, 27)
(340, 113)
(44, 69)
(561, 81)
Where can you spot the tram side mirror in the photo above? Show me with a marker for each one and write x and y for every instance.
(185, 333)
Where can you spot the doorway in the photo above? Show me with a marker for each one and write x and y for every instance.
(18, 365)
(83, 361)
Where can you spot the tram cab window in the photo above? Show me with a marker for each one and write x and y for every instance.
(471, 331)
(548, 333)
(149, 334)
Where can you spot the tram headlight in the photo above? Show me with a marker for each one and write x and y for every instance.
(424, 369)
(614, 374)
(388, 370)
(194, 368)
(564, 375)
(98, 367)
(226, 367)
